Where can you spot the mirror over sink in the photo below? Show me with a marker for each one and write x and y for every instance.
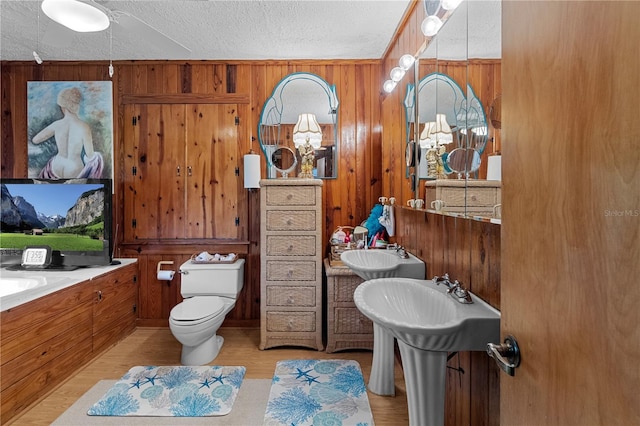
(295, 95)
(452, 146)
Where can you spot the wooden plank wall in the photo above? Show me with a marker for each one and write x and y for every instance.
(347, 199)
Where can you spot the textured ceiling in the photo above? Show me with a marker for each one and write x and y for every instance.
(228, 30)
(225, 30)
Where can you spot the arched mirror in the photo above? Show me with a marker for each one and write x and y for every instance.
(441, 114)
(296, 94)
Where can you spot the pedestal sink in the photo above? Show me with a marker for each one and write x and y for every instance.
(428, 324)
(374, 264)
(381, 263)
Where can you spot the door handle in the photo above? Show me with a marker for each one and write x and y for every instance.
(507, 354)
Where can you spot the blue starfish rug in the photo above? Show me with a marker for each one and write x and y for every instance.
(318, 392)
(180, 391)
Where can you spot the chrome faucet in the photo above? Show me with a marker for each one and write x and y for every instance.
(402, 252)
(455, 289)
(442, 280)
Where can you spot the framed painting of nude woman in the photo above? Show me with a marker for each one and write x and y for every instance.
(70, 129)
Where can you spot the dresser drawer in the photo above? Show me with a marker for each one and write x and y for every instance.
(482, 197)
(344, 288)
(291, 321)
(291, 296)
(296, 220)
(291, 271)
(351, 321)
(291, 245)
(291, 196)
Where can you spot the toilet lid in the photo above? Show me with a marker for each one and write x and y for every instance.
(197, 308)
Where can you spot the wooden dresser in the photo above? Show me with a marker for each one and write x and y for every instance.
(347, 327)
(291, 263)
(479, 196)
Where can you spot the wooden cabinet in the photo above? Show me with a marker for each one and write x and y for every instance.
(291, 263)
(347, 327)
(43, 341)
(473, 197)
(181, 172)
(115, 307)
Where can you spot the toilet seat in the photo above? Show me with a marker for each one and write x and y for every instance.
(196, 310)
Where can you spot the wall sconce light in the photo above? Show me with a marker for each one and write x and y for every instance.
(406, 61)
(450, 4)
(389, 85)
(307, 137)
(76, 15)
(431, 25)
(396, 74)
(251, 170)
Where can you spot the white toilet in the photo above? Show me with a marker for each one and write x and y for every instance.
(210, 292)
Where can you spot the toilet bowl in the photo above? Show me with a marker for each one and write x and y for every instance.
(210, 292)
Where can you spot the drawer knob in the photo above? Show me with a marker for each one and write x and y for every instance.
(291, 300)
(289, 221)
(290, 324)
(290, 248)
(290, 273)
(289, 196)
(474, 198)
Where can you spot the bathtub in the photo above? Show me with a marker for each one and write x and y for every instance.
(18, 287)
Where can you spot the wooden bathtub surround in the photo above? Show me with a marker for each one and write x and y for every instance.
(44, 341)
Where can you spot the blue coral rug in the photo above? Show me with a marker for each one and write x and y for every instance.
(182, 391)
(318, 392)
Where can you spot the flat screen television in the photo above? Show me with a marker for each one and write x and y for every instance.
(71, 216)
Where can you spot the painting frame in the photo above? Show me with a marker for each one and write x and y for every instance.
(70, 129)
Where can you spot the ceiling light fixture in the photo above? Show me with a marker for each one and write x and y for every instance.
(76, 15)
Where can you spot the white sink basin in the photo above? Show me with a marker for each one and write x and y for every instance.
(428, 324)
(425, 317)
(381, 263)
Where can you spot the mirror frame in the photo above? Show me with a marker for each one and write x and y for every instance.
(275, 107)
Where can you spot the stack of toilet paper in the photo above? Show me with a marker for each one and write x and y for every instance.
(217, 257)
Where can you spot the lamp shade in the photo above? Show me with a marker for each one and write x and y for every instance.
(427, 137)
(307, 129)
(76, 15)
(442, 130)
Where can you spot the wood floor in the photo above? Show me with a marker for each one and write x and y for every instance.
(157, 346)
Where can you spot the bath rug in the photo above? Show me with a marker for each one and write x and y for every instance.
(318, 392)
(247, 410)
(168, 391)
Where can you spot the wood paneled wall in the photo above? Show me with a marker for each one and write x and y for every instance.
(348, 198)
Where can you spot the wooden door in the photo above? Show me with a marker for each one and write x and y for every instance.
(571, 212)
(154, 181)
(212, 185)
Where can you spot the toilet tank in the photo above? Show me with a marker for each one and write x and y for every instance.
(212, 279)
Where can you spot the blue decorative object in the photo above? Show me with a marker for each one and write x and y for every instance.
(318, 392)
(373, 223)
(182, 391)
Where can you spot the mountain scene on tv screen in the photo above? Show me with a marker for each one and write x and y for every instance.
(80, 227)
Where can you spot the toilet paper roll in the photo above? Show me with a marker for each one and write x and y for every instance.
(166, 275)
(252, 171)
(494, 167)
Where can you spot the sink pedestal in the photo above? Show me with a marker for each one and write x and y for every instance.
(424, 376)
(382, 379)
